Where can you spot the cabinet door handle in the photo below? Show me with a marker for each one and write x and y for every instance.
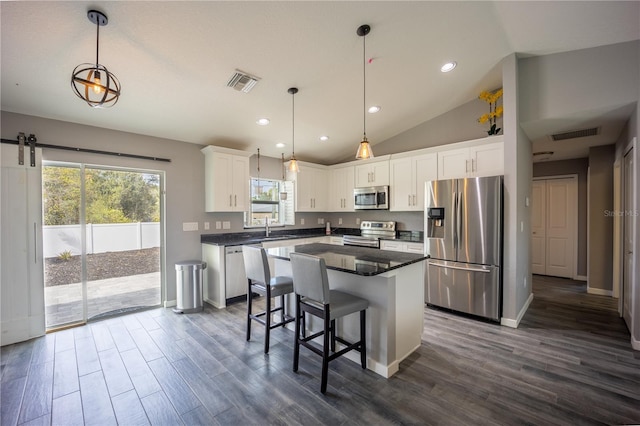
(409, 202)
(466, 166)
(235, 200)
(230, 203)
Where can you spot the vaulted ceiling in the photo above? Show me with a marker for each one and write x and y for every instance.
(174, 59)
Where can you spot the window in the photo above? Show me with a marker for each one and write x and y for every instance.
(270, 199)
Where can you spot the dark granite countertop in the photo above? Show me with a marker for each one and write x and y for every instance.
(351, 259)
(257, 237)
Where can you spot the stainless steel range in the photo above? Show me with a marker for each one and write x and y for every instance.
(370, 233)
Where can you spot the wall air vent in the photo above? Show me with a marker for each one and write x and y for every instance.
(575, 134)
(242, 82)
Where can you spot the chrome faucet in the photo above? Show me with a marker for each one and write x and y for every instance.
(266, 227)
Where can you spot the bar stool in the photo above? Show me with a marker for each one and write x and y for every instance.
(259, 281)
(311, 288)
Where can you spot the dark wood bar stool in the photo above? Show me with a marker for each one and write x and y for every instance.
(259, 281)
(311, 288)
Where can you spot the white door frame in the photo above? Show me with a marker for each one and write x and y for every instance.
(633, 209)
(574, 178)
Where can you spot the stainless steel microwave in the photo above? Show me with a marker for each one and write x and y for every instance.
(371, 198)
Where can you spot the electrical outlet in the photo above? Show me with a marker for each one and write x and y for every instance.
(320, 221)
(357, 221)
(190, 226)
(302, 221)
(218, 224)
(339, 221)
(226, 225)
(206, 226)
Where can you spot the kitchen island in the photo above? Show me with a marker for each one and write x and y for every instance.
(393, 282)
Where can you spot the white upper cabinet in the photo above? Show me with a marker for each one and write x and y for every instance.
(226, 179)
(372, 173)
(340, 195)
(311, 187)
(408, 175)
(484, 159)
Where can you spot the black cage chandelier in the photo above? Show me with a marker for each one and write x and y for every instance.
(93, 83)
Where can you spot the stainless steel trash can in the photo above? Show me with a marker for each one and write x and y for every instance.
(189, 286)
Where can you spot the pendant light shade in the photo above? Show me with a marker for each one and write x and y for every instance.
(364, 149)
(293, 163)
(94, 83)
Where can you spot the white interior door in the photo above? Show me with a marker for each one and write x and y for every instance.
(627, 260)
(553, 226)
(560, 225)
(538, 227)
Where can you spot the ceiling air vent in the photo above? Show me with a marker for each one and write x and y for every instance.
(575, 134)
(242, 82)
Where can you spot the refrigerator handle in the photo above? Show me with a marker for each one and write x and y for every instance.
(459, 218)
(454, 227)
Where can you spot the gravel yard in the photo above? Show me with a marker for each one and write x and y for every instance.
(101, 266)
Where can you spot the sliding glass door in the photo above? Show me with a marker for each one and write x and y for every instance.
(102, 241)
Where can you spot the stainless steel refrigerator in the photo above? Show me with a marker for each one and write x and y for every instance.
(463, 237)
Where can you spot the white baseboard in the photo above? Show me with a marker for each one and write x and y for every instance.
(170, 303)
(580, 278)
(635, 344)
(600, 291)
(514, 323)
(214, 304)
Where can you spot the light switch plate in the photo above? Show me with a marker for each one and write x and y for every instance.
(320, 221)
(302, 221)
(218, 224)
(226, 225)
(357, 221)
(190, 226)
(339, 221)
(206, 226)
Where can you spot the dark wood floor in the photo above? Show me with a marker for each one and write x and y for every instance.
(570, 362)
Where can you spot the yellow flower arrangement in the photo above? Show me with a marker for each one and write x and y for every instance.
(495, 111)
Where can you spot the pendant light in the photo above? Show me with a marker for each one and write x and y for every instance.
(93, 83)
(364, 149)
(293, 163)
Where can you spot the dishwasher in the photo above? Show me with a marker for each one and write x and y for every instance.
(235, 276)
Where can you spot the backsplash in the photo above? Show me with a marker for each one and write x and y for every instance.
(406, 221)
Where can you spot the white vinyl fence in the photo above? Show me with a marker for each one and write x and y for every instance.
(100, 238)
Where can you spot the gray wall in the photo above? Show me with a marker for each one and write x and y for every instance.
(580, 167)
(518, 173)
(601, 160)
(456, 125)
(581, 80)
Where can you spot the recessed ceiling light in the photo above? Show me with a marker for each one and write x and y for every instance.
(374, 109)
(448, 66)
(324, 138)
(263, 121)
(280, 145)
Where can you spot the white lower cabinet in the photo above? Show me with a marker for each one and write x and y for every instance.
(403, 246)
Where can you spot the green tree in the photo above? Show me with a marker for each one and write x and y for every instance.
(111, 196)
